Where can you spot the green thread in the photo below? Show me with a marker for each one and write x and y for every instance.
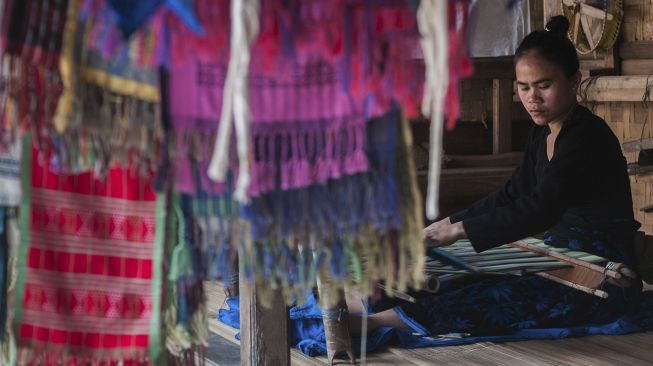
(25, 214)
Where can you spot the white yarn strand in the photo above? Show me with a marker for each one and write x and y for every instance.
(433, 26)
(235, 107)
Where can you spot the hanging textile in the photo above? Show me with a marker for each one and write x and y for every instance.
(10, 188)
(321, 172)
(89, 274)
(34, 38)
(185, 311)
(131, 15)
(308, 93)
(4, 261)
(110, 104)
(9, 245)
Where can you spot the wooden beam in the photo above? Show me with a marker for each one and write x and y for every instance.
(501, 115)
(636, 50)
(510, 159)
(264, 332)
(493, 68)
(601, 60)
(637, 67)
(616, 89)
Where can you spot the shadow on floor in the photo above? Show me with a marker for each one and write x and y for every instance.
(222, 352)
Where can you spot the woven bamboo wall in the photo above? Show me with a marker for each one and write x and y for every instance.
(638, 20)
(631, 120)
(627, 121)
(636, 48)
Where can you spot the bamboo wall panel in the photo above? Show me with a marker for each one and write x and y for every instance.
(476, 100)
(627, 121)
(638, 20)
(636, 37)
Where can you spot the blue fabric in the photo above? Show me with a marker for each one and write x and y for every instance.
(132, 14)
(4, 256)
(307, 329)
(499, 305)
(611, 239)
(184, 9)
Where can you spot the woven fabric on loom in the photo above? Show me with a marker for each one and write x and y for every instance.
(90, 279)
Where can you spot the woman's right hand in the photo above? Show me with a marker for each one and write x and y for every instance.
(438, 225)
(443, 233)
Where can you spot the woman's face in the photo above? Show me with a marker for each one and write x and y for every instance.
(546, 93)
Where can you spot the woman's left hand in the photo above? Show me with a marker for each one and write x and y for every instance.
(438, 235)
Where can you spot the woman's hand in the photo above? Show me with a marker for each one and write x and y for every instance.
(443, 233)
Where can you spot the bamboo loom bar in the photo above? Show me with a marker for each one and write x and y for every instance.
(575, 269)
(591, 291)
(552, 253)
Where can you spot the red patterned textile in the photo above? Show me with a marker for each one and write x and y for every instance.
(89, 284)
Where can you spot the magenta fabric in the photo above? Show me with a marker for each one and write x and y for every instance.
(319, 70)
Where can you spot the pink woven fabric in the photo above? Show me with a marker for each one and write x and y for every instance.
(318, 71)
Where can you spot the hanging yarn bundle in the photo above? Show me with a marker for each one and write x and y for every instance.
(443, 27)
(235, 103)
(432, 20)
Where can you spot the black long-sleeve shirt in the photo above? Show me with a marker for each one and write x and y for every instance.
(585, 178)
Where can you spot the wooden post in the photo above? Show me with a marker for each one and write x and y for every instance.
(501, 116)
(335, 316)
(264, 332)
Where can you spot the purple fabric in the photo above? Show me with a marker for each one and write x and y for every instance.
(305, 128)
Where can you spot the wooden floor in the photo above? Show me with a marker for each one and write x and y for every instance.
(634, 349)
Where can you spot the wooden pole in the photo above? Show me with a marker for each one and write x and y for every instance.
(335, 316)
(264, 332)
(501, 115)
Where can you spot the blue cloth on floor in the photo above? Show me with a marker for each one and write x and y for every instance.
(307, 329)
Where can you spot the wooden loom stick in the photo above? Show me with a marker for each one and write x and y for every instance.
(591, 291)
(545, 251)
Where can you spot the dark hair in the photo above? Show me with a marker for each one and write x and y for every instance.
(551, 44)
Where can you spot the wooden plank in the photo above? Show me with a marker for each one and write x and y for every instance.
(636, 50)
(510, 159)
(501, 115)
(264, 332)
(617, 89)
(637, 67)
(604, 60)
(493, 68)
(475, 354)
(587, 351)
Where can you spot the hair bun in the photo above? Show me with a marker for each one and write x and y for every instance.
(558, 24)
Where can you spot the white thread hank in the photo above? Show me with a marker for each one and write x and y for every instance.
(433, 26)
(235, 108)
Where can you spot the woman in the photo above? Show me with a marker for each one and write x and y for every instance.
(572, 184)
